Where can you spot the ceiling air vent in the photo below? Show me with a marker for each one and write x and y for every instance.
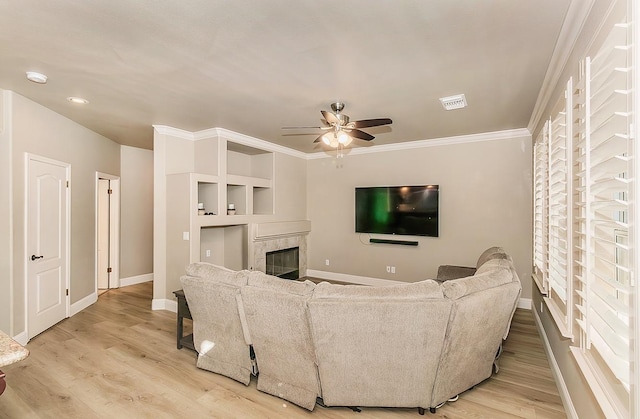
(453, 102)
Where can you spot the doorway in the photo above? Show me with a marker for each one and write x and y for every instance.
(47, 242)
(107, 232)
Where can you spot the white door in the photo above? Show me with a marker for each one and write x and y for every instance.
(107, 231)
(47, 243)
(103, 234)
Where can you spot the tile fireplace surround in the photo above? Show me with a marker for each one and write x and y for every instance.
(268, 237)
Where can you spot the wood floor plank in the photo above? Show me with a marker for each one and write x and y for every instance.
(118, 358)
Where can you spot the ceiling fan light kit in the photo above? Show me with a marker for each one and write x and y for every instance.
(335, 139)
(341, 129)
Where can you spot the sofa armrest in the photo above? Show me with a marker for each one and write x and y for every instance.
(447, 272)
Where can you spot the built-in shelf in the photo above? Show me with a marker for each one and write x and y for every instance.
(248, 161)
(226, 173)
(207, 192)
(237, 195)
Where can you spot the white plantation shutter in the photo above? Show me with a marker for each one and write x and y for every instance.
(584, 216)
(603, 187)
(540, 214)
(559, 203)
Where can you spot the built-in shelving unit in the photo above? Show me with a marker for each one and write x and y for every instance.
(228, 173)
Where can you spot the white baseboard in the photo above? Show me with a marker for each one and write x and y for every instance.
(555, 370)
(164, 304)
(524, 303)
(138, 279)
(21, 338)
(78, 306)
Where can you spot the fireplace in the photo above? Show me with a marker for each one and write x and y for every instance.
(270, 237)
(284, 263)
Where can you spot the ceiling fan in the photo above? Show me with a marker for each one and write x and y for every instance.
(340, 130)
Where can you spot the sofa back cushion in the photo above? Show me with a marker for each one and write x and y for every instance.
(491, 274)
(268, 282)
(218, 333)
(415, 290)
(494, 252)
(275, 310)
(378, 346)
(483, 306)
(218, 273)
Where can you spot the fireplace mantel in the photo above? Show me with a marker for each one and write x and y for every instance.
(269, 231)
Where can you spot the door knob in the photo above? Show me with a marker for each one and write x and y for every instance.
(34, 257)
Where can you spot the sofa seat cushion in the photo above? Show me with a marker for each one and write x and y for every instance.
(448, 272)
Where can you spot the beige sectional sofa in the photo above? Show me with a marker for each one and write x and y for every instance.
(406, 345)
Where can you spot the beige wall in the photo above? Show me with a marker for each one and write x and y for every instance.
(290, 188)
(6, 265)
(40, 131)
(485, 200)
(136, 212)
(582, 398)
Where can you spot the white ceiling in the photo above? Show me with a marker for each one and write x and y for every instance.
(254, 66)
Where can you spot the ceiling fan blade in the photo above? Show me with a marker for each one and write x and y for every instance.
(317, 140)
(302, 128)
(356, 133)
(366, 123)
(330, 118)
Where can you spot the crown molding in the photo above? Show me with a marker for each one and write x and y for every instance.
(436, 142)
(574, 21)
(408, 145)
(229, 135)
(174, 132)
(247, 140)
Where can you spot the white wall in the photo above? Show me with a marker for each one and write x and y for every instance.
(485, 200)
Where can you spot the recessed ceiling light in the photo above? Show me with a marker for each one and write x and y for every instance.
(36, 77)
(453, 102)
(74, 99)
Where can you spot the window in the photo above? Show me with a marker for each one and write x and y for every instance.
(583, 189)
(540, 229)
(603, 287)
(559, 202)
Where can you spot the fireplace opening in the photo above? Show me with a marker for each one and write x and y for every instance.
(284, 263)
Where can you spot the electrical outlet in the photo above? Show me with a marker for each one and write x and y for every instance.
(208, 253)
(326, 262)
(393, 269)
(388, 269)
(185, 235)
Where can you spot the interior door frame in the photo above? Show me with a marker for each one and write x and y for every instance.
(114, 229)
(28, 158)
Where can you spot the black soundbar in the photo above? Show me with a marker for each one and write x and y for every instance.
(402, 242)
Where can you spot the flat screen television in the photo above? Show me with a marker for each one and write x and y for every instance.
(401, 210)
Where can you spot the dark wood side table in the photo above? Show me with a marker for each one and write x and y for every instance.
(183, 313)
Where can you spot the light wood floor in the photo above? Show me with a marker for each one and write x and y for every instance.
(118, 359)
